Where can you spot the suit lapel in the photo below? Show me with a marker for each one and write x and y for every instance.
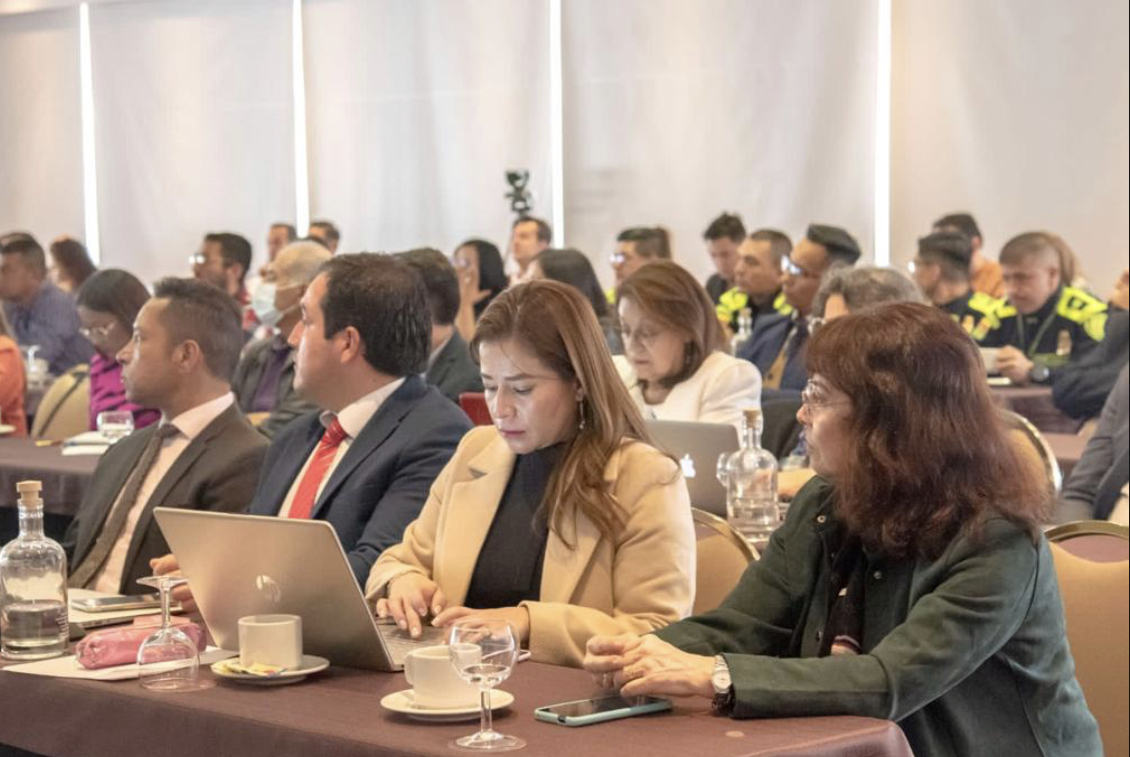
(111, 480)
(465, 527)
(442, 365)
(372, 436)
(180, 467)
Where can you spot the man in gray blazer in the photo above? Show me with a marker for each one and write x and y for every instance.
(202, 455)
(450, 367)
(264, 381)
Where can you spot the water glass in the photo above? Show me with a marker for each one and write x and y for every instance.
(484, 652)
(115, 424)
(168, 659)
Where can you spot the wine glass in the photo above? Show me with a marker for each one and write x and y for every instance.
(168, 659)
(115, 424)
(484, 652)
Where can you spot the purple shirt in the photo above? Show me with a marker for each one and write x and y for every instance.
(107, 393)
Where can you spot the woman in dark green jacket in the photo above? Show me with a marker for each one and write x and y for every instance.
(910, 581)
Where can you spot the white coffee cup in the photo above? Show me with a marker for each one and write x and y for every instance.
(271, 640)
(434, 682)
(989, 358)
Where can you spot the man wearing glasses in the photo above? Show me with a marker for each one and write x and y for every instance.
(777, 344)
(223, 261)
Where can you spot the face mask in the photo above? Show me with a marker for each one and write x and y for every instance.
(263, 304)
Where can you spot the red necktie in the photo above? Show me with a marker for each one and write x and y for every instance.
(307, 493)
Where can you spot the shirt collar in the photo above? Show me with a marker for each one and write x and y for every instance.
(356, 414)
(194, 420)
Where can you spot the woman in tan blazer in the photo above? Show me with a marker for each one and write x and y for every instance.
(560, 518)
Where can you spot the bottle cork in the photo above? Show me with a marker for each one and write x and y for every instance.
(29, 493)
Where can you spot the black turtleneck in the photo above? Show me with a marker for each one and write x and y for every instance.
(510, 562)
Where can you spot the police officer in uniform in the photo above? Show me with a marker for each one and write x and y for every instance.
(942, 270)
(1044, 323)
(757, 278)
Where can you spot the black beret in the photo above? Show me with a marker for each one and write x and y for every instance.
(841, 246)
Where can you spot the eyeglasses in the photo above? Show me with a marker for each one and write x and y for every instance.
(795, 270)
(198, 258)
(96, 332)
(644, 338)
(816, 397)
(617, 258)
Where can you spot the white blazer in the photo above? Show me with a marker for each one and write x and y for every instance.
(718, 391)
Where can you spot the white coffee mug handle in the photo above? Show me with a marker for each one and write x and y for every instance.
(408, 670)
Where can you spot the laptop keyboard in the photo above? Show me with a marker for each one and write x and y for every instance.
(400, 643)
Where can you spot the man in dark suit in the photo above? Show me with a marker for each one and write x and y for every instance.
(777, 346)
(1079, 389)
(1096, 487)
(450, 367)
(366, 461)
(202, 455)
(264, 380)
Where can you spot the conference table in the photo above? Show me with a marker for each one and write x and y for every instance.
(1035, 403)
(338, 712)
(65, 480)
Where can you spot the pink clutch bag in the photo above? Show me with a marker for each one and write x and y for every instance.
(118, 646)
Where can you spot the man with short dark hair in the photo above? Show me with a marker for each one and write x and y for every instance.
(636, 247)
(326, 233)
(528, 237)
(984, 274)
(778, 341)
(757, 278)
(202, 454)
(1045, 323)
(279, 236)
(941, 270)
(39, 312)
(723, 237)
(366, 462)
(450, 367)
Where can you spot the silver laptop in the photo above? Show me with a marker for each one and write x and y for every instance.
(697, 447)
(241, 565)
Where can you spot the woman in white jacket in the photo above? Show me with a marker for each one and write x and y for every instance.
(675, 364)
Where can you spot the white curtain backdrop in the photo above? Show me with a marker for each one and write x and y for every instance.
(1017, 112)
(40, 124)
(416, 108)
(676, 111)
(673, 111)
(194, 126)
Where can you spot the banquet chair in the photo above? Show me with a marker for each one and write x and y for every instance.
(65, 408)
(1096, 600)
(1034, 447)
(474, 404)
(723, 555)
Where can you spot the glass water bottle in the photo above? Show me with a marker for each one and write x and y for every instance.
(751, 483)
(33, 586)
(744, 332)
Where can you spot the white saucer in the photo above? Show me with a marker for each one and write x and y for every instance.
(402, 702)
(6, 429)
(310, 664)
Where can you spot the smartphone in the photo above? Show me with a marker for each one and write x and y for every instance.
(589, 711)
(112, 604)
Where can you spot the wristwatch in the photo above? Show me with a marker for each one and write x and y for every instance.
(723, 702)
(1039, 373)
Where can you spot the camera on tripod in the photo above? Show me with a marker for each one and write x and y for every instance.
(521, 200)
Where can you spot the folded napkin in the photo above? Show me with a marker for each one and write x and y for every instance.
(118, 646)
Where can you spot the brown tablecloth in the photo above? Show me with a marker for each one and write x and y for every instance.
(338, 713)
(1068, 448)
(64, 478)
(1035, 404)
